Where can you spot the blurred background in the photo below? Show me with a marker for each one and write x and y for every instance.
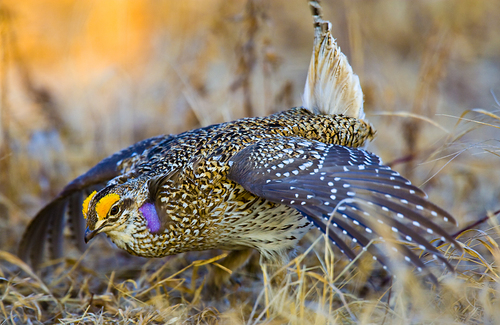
(80, 80)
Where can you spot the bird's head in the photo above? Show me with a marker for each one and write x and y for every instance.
(120, 211)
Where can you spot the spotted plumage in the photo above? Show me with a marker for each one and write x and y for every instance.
(258, 183)
(197, 205)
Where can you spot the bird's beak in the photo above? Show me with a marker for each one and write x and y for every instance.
(89, 234)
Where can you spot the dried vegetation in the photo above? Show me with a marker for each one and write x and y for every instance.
(80, 80)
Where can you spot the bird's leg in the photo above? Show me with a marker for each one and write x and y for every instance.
(274, 276)
(218, 276)
(274, 272)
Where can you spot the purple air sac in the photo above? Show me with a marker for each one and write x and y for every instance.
(148, 210)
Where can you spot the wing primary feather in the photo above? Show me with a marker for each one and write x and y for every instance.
(408, 232)
(417, 262)
(402, 195)
(33, 242)
(373, 180)
(321, 220)
(56, 231)
(416, 217)
(76, 221)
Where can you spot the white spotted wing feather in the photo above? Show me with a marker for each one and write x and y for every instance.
(371, 200)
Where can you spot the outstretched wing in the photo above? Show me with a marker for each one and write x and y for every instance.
(48, 225)
(372, 201)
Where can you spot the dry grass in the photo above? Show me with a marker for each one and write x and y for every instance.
(80, 80)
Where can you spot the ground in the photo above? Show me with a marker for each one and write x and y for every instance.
(80, 80)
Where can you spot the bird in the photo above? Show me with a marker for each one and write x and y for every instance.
(258, 183)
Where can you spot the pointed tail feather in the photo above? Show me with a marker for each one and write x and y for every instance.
(331, 85)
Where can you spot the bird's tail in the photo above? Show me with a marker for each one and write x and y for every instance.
(331, 85)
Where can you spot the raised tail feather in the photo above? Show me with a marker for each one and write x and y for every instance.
(331, 85)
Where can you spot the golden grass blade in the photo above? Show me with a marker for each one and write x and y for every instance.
(412, 115)
(485, 112)
(482, 260)
(461, 118)
(8, 257)
(222, 267)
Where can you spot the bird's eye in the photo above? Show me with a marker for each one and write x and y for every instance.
(114, 211)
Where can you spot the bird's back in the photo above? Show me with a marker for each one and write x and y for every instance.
(228, 138)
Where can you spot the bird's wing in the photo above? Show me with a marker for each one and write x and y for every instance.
(48, 225)
(372, 201)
